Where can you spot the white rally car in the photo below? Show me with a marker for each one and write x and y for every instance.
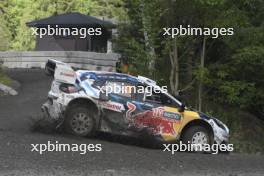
(77, 102)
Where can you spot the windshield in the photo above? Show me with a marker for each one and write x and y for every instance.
(176, 100)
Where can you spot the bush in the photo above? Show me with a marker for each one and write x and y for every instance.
(3, 78)
(246, 130)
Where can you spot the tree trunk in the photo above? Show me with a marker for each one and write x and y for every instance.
(189, 67)
(174, 74)
(150, 49)
(200, 90)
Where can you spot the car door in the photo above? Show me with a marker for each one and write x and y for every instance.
(157, 115)
(114, 109)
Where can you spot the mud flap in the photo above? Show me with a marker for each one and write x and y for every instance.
(52, 113)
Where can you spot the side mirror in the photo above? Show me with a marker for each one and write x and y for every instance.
(182, 108)
(103, 97)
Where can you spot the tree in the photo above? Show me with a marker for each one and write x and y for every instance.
(18, 12)
(142, 29)
(5, 35)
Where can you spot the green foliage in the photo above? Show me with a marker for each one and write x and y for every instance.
(211, 2)
(237, 92)
(247, 132)
(138, 34)
(4, 35)
(240, 81)
(18, 12)
(109, 8)
(230, 75)
(138, 57)
(202, 74)
(3, 78)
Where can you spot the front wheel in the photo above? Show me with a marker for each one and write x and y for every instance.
(198, 136)
(80, 121)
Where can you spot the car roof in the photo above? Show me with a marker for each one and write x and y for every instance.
(114, 76)
(106, 75)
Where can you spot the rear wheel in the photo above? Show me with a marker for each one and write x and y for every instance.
(80, 121)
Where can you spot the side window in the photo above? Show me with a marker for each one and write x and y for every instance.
(154, 98)
(161, 98)
(167, 101)
(139, 93)
(123, 89)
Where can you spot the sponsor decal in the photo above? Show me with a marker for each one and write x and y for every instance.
(157, 124)
(158, 112)
(67, 74)
(112, 106)
(172, 115)
(131, 108)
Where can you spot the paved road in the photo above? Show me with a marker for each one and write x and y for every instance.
(119, 156)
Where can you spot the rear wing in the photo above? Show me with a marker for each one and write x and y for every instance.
(51, 66)
(62, 72)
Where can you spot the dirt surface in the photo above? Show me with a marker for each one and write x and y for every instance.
(119, 155)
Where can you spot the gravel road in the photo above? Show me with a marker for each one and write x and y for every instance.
(119, 155)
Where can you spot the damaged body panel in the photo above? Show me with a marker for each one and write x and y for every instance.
(76, 99)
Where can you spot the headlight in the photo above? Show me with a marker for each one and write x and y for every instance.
(221, 125)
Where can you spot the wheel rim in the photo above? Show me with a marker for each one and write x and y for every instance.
(200, 138)
(81, 123)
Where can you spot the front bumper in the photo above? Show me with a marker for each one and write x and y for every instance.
(221, 132)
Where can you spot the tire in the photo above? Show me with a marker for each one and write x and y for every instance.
(80, 121)
(197, 135)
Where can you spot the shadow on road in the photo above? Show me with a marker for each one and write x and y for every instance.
(41, 125)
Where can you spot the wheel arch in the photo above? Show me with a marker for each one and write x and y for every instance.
(88, 103)
(198, 122)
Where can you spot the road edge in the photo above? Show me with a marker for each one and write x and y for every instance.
(8, 90)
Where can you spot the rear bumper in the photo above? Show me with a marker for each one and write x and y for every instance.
(52, 109)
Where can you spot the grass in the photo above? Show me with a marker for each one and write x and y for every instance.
(4, 79)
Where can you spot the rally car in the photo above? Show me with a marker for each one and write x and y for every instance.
(77, 102)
